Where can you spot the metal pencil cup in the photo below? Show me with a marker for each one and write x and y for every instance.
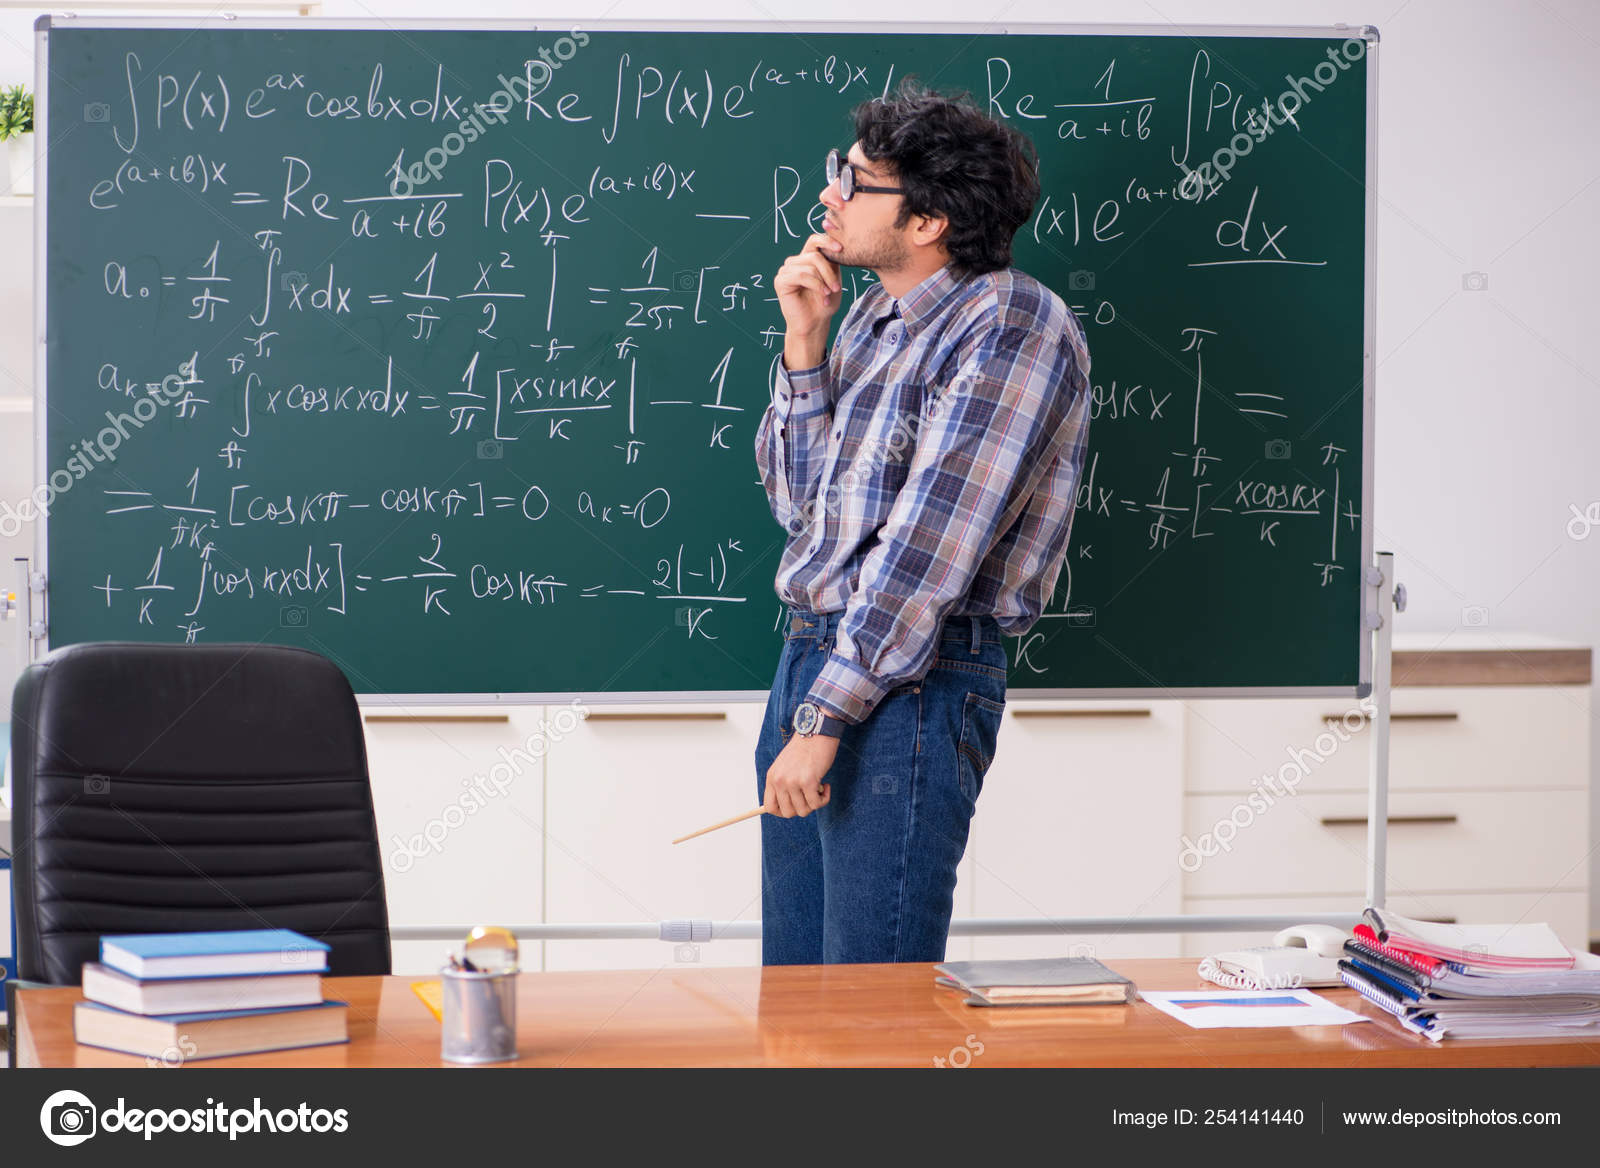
(480, 1016)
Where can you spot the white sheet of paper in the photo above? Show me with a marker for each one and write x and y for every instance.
(1218, 1009)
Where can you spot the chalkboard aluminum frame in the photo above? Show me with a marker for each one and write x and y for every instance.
(1368, 33)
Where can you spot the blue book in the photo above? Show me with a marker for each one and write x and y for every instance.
(215, 954)
(180, 1038)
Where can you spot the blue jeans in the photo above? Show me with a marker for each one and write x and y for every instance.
(870, 876)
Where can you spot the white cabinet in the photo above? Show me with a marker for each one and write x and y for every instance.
(1440, 841)
(459, 799)
(1488, 806)
(1441, 737)
(625, 783)
(1078, 817)
(1089, 809)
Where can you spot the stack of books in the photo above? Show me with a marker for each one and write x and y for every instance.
(1473, 981)
(182, 996)
(1044, 981)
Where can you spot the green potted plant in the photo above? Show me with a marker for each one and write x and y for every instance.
(16, 139)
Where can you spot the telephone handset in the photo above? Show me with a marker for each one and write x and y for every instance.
(1306, 955)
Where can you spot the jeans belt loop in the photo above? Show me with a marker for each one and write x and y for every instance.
(977, 635)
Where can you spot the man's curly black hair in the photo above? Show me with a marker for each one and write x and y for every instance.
(956, 161)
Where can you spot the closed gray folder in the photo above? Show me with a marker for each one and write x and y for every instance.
(1032, 973)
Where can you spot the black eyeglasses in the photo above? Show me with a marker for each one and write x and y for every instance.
(845, 175)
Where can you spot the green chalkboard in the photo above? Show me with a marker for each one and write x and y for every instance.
(489, 430)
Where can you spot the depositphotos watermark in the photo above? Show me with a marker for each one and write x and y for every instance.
(174, 1056)
(1211, 174)
(1583, 522)
(960, 1057)
(494, 112)
(480, 788)
(90, 452)
(1269, 788)
(69, 1118)
(873, 457)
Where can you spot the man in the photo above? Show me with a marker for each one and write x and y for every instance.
(925, 470)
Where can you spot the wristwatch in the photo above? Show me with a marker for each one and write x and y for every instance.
(810, 720)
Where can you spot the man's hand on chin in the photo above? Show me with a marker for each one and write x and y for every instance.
(794, 780)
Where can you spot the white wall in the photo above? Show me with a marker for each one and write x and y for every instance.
(1487, 414)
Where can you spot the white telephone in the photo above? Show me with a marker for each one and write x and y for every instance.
(1306, 955)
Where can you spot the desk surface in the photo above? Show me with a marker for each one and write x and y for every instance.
(841, 1015)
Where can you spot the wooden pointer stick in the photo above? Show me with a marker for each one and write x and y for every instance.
(822, 790)
(724, 823)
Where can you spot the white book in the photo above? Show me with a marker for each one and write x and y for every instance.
(1532, 945)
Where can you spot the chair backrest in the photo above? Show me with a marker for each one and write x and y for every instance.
(168, 788)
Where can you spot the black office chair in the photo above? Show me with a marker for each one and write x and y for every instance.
(168, 788)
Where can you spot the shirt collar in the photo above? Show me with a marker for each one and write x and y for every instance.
(922, 303)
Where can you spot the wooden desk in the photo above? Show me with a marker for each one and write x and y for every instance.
(841, 1015)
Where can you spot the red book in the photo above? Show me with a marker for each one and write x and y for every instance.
(1421, 962)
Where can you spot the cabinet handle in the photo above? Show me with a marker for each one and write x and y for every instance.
(659, 716)
(1361, 820)
(1108, 713)
(1419, 716)
(422, 718)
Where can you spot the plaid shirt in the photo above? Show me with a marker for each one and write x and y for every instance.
(927, 468)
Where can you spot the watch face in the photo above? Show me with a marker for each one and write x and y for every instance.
(806, 718)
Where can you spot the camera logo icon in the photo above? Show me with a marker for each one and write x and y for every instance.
(1081, 618)
(293, 616)
(686, 954)
(491, 448)
(1474, 281)
(1080, 281)
(97, 111)
(96, 784)
(1474, 616)
(67, 1118)
(685, 280)
(289, 281)
(1278, 448)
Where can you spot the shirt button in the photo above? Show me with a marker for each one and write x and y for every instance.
(837, 435)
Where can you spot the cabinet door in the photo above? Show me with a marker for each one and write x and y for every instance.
(629, 781)
(622, 785)
(1079, 817)
(1439, 841)
(1454, 737)
(460, 811)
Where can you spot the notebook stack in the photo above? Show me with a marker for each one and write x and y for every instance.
(1473, 981)
(1044, 981)
(182, 996)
